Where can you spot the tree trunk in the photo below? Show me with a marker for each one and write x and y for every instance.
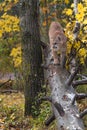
(32, 54)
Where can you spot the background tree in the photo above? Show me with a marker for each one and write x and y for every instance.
(32, 55)
(10, 45)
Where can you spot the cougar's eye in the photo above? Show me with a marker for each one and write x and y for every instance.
(59, 38)
(55, 43)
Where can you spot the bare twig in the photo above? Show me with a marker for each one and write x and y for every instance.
(59, 109)
(81, 96)
(75, 6)
(44, 45)
(5, 82)
(75, 35)
(79, 82)
(9, 91)
(76, 30)
(82, 114)
(77, 25)
(82, 76)
(44, 66)
(71, 77)
(46, 98)
(50, 120)
(73, 100)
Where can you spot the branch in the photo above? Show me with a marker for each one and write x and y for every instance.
(82, 76)
(76, 30)
(46, 98)
(50, 120)
(59, 109)
(43, 44)
(9, 91)
(81, 96)
(75, 6)
(82, 114)
(77, 25)
(72, 76)
(5, 82)
(79, 82)
(73, 100)
(44, 66)
(75, 35)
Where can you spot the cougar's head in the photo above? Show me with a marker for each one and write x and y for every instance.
(59, 41)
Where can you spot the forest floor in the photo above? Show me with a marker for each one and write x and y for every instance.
(12, 114)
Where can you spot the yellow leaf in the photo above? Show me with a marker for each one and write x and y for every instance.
(16, 54)
(83, 52)
(80, 17)
(17, 61)
(1, 121)
(3, 4)
(80, 7)
(72, 5)
(0, 34)
(77, 45)
(69, 12)
(45, 9)
(44, 23)
(53, 14)
(69, 45)
(66, 1)
(85, 21)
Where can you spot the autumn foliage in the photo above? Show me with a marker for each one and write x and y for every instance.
(49, 11)
(10, 41)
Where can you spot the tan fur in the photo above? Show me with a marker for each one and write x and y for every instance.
(57, 42)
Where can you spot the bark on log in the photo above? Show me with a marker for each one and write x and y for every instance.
(9, 91)
(63, 94)
(3, 84)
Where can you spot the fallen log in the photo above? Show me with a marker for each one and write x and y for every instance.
(5, 82)
(62, 95)
(9, 91)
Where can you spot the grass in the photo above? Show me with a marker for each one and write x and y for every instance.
(12, 118)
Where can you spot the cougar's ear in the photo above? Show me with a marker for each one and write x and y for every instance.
(57, 32)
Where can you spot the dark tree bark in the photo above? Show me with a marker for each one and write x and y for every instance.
(32, 54)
